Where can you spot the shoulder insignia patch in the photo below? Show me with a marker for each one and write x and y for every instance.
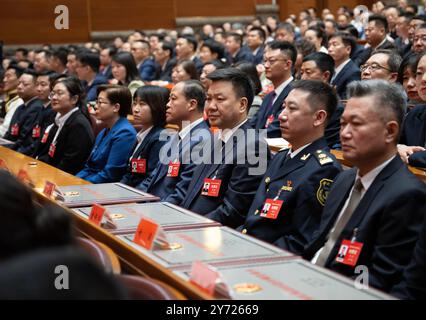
(322, 157)
(323, 189)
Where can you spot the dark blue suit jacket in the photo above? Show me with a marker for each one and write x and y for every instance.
(387, 221)
(25, 117)
(148, 150)
(243, 55)
(174, 189)
(332, 130)
(45, 118)
(349, 73)
(259, 119)
(108, 160)
(258, 57)
(91, 89)
(147, 69)
(414, 134)
(308, 182)
(413, 285)
(238, 185)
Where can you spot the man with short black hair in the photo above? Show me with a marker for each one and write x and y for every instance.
(105, 57)
(87, 68)
(320, 66)
(23, 120)
(41, 60)
(236, 51)
(289, 201)
(58, 61)
(340, 46)
(165, 62)
(223, 190)
(141, 53)
(255, 41)
(171, 178)
(279, 60)
(374, 211)
(376, 36)
(186, 48)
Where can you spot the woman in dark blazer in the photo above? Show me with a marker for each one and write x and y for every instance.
(149, 112)
(113, 145)
(66, 143)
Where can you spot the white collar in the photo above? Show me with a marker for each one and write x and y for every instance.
(369, 177)
(60, 120)
(141, 135)
(226, 134)
(185, 131)
(297, 151)
(282, 86)
(340, 68)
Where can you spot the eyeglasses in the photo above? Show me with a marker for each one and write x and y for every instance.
(57, 93)
(272, 61)
(373, 67)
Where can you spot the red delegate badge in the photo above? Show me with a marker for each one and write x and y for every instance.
(271, 208)
(173, 170)
(211, 187)
(15, 130)
(36, 131)
(138, 165)
(349, 252)
(52, 150)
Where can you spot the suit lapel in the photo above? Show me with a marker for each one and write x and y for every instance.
(277, 106)
(341, 74)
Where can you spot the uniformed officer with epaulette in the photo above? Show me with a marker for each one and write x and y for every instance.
(289, 201)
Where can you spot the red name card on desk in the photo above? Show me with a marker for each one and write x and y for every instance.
(204, 276)
(146, 233)
(49, 188)
(3, 165)
(96, 214)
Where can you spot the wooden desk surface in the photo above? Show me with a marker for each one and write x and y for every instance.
(38, 171)
(131, 260)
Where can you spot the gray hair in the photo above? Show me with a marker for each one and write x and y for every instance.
(389, 99)
(394, 58)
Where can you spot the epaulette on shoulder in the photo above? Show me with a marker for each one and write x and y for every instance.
(323, 157)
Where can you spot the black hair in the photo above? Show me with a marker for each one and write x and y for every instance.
(87, 58)
(250, 70)
(241, 83)
(286, 48)
(323, 61)
(126, 59)
(156, 98)
(194, 89)
(380, 21)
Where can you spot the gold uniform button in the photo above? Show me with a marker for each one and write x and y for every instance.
(244, 231)
(267, 180)
(256, 212)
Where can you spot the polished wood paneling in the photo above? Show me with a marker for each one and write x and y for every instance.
(210, 8)
(131, 14)
(293, 7)
(23, 21)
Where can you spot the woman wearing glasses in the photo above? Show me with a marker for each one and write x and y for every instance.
(66, 143)
(108, 159)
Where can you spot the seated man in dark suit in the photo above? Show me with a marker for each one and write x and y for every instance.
(144, 62)
(297, 181)
(178, 157)
(413, 284)
(376, 35)
(163, 56)
(23, 120)
(87, 68)
(236, 51)
(375, 209)
(279, 60)
(186, 48)
(255, 41)
(223, 189)
(340, 46)
(320, 66)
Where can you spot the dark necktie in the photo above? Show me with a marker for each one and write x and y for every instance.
(340, 223)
